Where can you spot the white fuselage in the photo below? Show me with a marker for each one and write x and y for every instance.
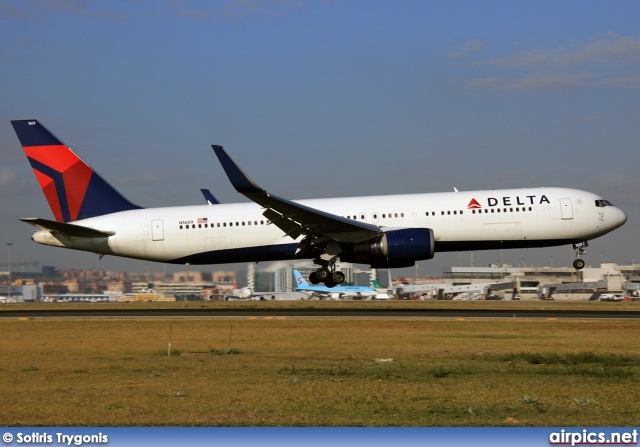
(472, 220)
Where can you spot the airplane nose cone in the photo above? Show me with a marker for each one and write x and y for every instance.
(622, 217)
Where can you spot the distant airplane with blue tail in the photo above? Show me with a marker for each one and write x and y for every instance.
(335, 292)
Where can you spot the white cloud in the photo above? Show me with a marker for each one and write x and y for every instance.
(611, 48)
(7, 177)
(9, 183)
(40, 9)
(261, 9)
(469, 47)
(563, 67)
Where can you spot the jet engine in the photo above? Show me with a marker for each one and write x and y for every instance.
(395, 249)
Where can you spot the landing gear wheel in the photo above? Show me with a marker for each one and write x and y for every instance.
(337, 277)
(313, 279)
(329, 282)
(322, 274)
(579, 248)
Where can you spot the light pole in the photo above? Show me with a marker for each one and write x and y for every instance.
(9, 244)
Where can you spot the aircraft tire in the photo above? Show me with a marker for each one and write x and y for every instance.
(313, 278)
(322, 274)
(578, 264)
(329, 282)
(337, 277)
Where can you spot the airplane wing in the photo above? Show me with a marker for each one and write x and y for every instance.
(295, 219)
(67, 228)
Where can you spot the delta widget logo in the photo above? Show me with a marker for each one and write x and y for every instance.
(473, 205)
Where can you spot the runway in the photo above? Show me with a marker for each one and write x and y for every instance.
(321, 313)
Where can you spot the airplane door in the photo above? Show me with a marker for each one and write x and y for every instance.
(566, 209)
(157, 230)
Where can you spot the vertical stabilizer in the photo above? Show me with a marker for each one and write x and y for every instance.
(74, 190)
(300, 281)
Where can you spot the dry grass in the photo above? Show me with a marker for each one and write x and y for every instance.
(346, 304)
(319, 372)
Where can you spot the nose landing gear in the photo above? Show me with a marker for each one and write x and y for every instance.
(578, 247)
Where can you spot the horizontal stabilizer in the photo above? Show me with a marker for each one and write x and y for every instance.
(66, 228)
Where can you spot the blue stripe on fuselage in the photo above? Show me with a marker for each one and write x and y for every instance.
(280, 252)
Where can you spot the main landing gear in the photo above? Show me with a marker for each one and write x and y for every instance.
(578, 247)
(327, 275)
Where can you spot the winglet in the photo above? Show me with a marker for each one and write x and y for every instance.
(240, 181)
(210, 198)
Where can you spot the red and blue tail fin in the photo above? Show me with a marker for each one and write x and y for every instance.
(74, 190)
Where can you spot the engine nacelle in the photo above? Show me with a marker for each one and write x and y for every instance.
(396, 248)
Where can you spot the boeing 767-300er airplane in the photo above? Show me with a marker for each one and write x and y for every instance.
(382, 231)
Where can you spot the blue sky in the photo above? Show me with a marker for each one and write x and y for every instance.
(326, 98)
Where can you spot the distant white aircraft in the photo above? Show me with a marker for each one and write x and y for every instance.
(382, 231)
(245, 294)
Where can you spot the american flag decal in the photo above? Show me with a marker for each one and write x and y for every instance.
(202, 220)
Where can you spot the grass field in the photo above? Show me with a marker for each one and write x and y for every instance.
(319, 372)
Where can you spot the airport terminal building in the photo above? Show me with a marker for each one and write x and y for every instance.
(533, 283)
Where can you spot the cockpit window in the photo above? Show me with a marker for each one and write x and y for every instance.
(602, 203)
